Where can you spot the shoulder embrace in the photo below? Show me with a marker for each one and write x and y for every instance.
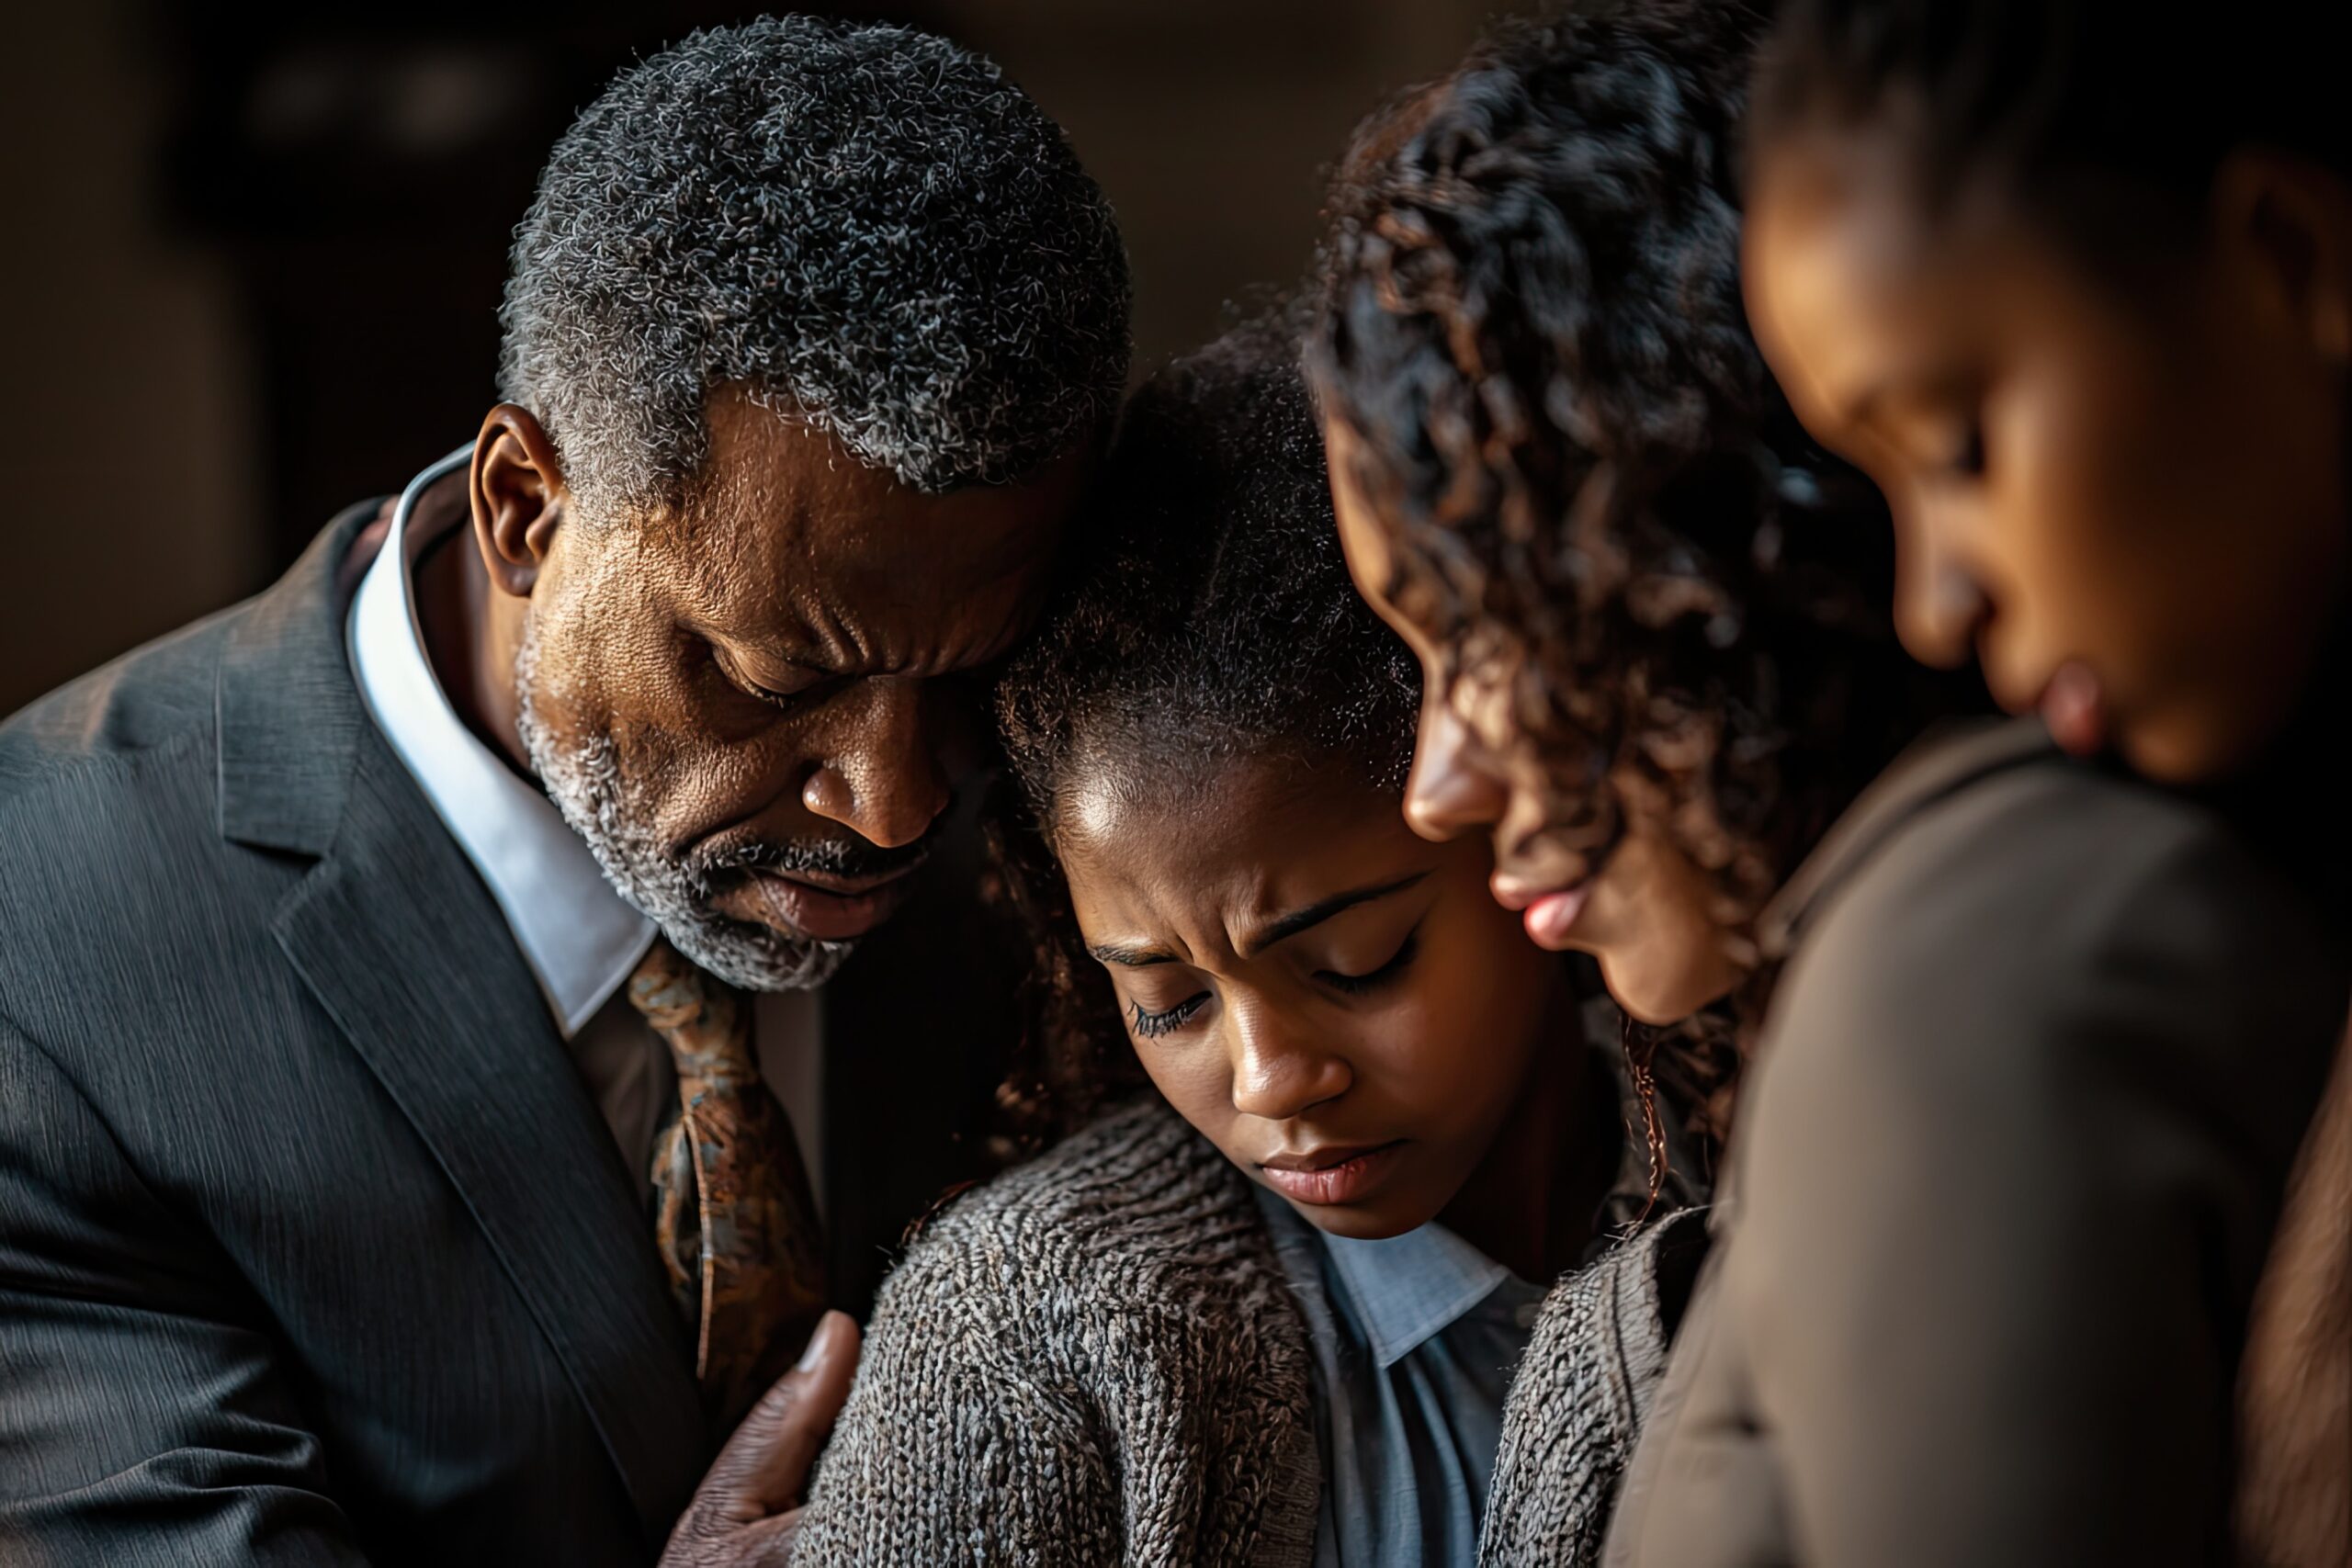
(1135, 1210)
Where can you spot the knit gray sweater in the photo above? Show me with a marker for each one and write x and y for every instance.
(1095, 1359)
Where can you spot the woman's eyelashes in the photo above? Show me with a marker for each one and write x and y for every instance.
(1149, 1025)
(1152, 1025)
(1371, 980)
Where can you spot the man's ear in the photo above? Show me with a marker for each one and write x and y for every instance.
(2288, 220)
(519, 497)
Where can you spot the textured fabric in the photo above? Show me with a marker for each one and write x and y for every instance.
(2006, 1169)
(1400, 1293)
(2295, 1395)
(1097, 1359)
(313, 1247)
(1583, 1392)
(732, 1217)
(579, 936)
(1415, 1340)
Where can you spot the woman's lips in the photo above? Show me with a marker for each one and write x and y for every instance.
(1550, 919)
(1334, 1174)
(1549, 913)
(2073, 711)
(825, 914)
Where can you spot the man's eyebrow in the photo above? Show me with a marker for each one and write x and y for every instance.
(1315, 914)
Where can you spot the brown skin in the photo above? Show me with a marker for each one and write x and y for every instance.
(2125, 498)
(1455, 1037)
(1646, 914)
(744, 1515)
(795, 570)
(766, 658)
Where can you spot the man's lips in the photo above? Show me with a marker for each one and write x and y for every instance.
(827, 908)
(1550, 913)
(1335, 1173)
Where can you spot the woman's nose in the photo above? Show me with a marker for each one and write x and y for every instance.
(1279, 1072)
(1939, 605)
(1451, 791)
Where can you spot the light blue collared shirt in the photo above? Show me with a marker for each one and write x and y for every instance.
(1415, 1341)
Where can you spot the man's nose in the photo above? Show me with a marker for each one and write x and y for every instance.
(1280, 1072)
(1451, 791)
(882, 780)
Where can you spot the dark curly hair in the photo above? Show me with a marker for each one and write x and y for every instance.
(867, 225)
(1531, 323)
(1206, 621)
(2112, 119)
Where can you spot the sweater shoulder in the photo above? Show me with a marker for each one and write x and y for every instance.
(1135, 1209)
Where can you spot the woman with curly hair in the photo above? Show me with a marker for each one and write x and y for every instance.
(1650, 611)
(2003, 1169)
(1268, 1311)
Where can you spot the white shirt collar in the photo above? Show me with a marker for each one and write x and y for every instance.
(579, 936)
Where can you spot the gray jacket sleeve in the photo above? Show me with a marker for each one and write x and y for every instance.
(2017, 1143)
(140, 1423)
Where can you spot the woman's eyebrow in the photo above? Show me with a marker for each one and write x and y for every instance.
(1315, 914)
(1131, 957)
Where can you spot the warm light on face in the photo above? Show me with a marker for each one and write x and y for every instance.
(1645, 915)
(1304, 979)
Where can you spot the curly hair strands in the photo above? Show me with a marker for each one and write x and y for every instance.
(868, 227)
(1530, 322)
(1209, 622)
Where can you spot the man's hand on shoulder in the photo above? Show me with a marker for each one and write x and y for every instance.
(747, 1509)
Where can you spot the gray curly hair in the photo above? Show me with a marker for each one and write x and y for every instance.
(869, 228)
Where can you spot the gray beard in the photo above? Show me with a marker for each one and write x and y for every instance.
(585, 782)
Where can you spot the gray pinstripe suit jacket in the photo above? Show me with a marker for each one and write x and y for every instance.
(313, 1247)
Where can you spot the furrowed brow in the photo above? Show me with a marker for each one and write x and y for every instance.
(1131, 957)
(1315, 914)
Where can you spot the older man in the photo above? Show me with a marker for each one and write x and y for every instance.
(421, 1135)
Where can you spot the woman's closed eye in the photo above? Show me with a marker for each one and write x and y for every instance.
(1372, 980)
(1152, 1025)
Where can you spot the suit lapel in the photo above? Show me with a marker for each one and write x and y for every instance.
(394, 934)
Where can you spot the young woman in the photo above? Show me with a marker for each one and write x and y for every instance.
(1648, 609)
(2074, 285)
(1269, 1311)
(2005, 1172)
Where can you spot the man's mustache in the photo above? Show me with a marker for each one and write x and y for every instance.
(852, 858)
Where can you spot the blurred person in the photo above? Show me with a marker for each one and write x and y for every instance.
(419, 1136)
(2074, 284)
(1288, 1304)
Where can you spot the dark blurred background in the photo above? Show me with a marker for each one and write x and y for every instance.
(254, 253)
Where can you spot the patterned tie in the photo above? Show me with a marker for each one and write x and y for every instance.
(733, 1217)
